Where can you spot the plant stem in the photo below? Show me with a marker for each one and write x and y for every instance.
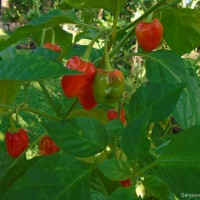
(90, 26)
(72, 107)
(43, 37)
(128, 55)
(119, 44)
(168, 5)
(142, 5)
(38, 112)
(145, 169)
(89, 49)
(53, 36)
(108, 67)
(46, 94)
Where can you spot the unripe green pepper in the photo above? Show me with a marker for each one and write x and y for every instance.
(108, 86)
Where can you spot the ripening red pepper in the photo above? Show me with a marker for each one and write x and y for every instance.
(48, 146)
(53, 47)
(108, 86)
(126, 183)
(149, 34)
(76, 85)
(111, 114)
(87, 99)
(16, 142)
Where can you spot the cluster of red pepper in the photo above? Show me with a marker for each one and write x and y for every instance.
(91, 86)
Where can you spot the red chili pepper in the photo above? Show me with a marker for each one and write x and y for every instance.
(149, 34)
(53, 47)
(16, 142)
(48, 146)
(111, 114)
(75, 86)
(126, 183)
(87, 99)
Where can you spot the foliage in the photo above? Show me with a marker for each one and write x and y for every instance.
(161, 93)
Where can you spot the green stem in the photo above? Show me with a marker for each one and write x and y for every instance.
(71, 107)
(90, 26)
(108, 66)
(53, 36)
(38, 112)
(128, 55)
(119, 44)
(145, 169)
(168, 5)
(142, 5)
(156, 6)
(87, 53)
(46, 94)
(12, 124)
(43, 37)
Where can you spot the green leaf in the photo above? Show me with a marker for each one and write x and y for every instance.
(135, 143)
(181, 29)
(51, 19)
(162, 97)
(12, 169)
(114, 128)
(124, 193)
(31, 67)
(80, 136)
(155, 187)
(167, 66)
(187, 111)
(116, 170)
(53, 177)
(9, 90)
(179, 165)
(105, 4)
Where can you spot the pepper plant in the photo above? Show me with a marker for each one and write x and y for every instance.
(115, 139)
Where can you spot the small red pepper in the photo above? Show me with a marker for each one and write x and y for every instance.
(48, 146)
(76, 85)
(126, 183)
(16, 142)
(87, 99)
(149, 34)
(53, 47)
(111, 114)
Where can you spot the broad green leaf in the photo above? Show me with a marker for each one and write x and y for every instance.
(31, 67)
(187, 111)
(80, 136)
(8, 93)
(181, 29)
(155, 187)
(114, 128)
(105, 4)
(135, 143)
(124, 193)
(11, 169)
(179, 165)
(167, 66)
(51, 19)
(96, 113)
(162, 97)
(53, 177)
(116, 170)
